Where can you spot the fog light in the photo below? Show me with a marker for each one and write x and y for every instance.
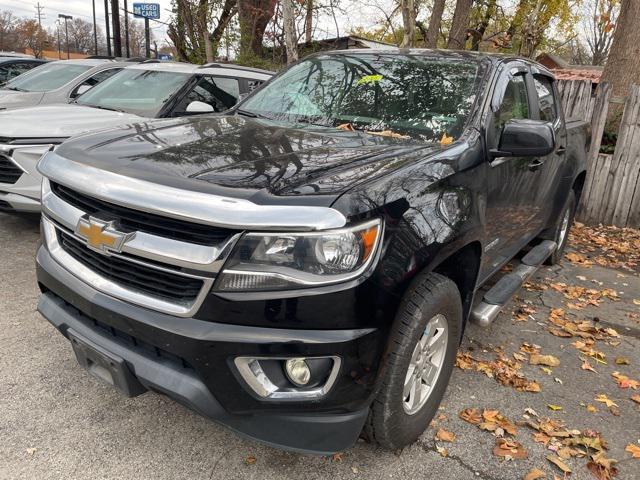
(298, 371)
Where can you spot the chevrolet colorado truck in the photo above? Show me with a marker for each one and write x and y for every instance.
(302, 268)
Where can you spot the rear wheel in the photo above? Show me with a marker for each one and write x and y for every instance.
(562, 229)
(418, 363)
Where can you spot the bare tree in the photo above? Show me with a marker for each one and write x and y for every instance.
(8, 26)
(409, 23)
(290, 36)
(599, 24)
(81, 34)
(308, 22)
(254, 16)
(460, 25)
(33, 36)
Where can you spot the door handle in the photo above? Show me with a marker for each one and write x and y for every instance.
(535, 164)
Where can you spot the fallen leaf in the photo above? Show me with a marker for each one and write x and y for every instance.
(591, 409)
(555, 408)
(633, 449)
(337, 457)
(535, 474)
(31, 450)
(250, 460)
(624, 381)
(557, 461)
(442, 451)
(471, 415)
(587, 366)
(636, 398)
(445, 436)
(602, 467)
(509, 448)
(636, 301)
(622, 361)
(603, 399)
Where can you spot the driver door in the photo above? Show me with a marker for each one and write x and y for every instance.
(512, 214)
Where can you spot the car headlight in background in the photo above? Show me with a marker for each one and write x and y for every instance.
(281, 261)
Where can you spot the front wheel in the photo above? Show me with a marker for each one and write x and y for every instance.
(418, 362)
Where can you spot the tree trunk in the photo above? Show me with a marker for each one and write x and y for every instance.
(409, 23)
(308, 22)
(623, 65)
(431, 38)
(460, 25)
(254, 16)
(229, 11)
(203, 19)
(290, 37)
(478, 34)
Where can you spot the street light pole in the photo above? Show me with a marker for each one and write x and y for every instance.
(66, 30)
(95, 29)
(59, 48)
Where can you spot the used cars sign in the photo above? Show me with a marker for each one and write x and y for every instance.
(146, 10)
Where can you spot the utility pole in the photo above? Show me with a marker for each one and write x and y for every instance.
(59, 49)
(39, 15)
(126, 29)
(106, 19)
(66, 30)
(117, 40)
(147, 38)
(95, 29)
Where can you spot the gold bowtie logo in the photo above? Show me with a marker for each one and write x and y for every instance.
(101, 236)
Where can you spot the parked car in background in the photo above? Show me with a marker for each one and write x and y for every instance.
(303, 268)
(12, 66)
(57, 82)
(136, 94)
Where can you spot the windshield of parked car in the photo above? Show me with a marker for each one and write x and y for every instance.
(419, 96)
(46, 77)
(141, 92)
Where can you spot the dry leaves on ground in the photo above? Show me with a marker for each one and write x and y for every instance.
(508, 449)
(607, 245)
(490, 420)
(624, 381)
(505, 371)
(633, 449)
(548, 360)
(602, 467)
(585, 329)
(582, 297)
(535, 474)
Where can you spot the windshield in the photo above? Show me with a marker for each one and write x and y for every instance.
(141, 92)
(423, 97)
(46, 77)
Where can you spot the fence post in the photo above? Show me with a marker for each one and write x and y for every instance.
(591, 194)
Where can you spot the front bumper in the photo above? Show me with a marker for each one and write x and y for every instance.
(191, 361)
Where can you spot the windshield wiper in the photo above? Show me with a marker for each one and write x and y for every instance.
(15, 89)
(247, 113)
(101, 107)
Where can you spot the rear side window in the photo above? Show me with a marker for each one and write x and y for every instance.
(546, 99)
(94, 80)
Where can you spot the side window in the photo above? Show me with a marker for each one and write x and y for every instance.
(219, 92)
(93, 80)
(546, 99)
(514, 105)
(5, 74)
(253, 84)
(20, 68)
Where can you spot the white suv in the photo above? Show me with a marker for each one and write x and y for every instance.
(136, 94)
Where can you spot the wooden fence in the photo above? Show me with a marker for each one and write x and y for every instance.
(611, 194)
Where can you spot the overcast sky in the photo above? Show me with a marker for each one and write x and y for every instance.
(82, 8)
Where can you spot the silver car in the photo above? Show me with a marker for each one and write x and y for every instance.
(57, 82)
(137, 94)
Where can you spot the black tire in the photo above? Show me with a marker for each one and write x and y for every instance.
(429, 295)
(570, 209)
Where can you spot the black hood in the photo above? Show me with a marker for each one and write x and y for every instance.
(244, 157)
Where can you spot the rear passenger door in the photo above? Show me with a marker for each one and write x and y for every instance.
(512, 213)
(221, 93)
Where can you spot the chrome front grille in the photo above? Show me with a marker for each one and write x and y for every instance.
(143, 278)
(9, 171)
(152, 268)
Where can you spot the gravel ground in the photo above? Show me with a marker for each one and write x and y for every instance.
(57, 422)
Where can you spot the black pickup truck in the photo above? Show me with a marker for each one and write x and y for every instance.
(302, 268)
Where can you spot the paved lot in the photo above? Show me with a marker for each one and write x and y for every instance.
(57, 422)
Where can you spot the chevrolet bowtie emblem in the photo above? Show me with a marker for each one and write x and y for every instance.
(101, 236)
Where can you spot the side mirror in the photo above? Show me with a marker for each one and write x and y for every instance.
(526, 138)
(80, 90)
(199, 107)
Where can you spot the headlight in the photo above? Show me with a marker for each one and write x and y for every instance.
(281, 261)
